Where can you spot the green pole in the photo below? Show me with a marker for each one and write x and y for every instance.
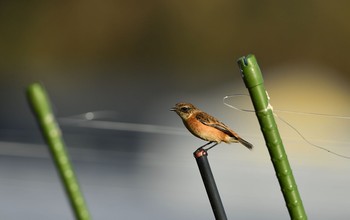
(254, 82)
(40, 105)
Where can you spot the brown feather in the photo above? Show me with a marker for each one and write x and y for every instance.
(213, 122)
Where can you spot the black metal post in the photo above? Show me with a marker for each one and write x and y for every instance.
(209, 183)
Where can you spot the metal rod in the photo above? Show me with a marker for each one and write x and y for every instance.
(209, 183)
(41, 107)
(254, 82)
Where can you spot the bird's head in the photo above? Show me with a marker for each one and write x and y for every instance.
(184, 110)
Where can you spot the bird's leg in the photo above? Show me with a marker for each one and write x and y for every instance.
(201, 147)
(216, 143)
(210, 142)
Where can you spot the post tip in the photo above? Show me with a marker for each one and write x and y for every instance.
(246, 60)
(200, 152)
(34, 88)
(38, 99)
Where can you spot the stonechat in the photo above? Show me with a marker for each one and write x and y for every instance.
(206, 127)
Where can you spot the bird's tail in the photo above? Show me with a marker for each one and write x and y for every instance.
(245, 143)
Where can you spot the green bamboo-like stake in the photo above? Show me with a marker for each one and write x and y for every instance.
(40, 104)
(254, 82)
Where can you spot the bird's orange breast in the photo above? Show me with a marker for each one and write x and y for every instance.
(205, 132)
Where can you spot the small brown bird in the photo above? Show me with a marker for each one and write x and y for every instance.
(206, 127)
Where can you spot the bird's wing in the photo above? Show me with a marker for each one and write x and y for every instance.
(213, 122)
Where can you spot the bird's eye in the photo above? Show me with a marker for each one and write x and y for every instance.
(185, 109)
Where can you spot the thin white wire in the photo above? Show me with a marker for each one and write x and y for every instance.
(291, 126)
(284, 111)
(94, 120)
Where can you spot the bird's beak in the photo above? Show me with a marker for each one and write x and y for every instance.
(173, 109)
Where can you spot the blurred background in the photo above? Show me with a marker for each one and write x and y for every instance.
(113, 69)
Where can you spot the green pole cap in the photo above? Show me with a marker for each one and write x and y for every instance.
(38, 99)
(250, 70)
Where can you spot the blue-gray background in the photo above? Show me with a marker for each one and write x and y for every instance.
(128, 62)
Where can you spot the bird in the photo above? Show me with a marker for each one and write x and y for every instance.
(206, 127)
